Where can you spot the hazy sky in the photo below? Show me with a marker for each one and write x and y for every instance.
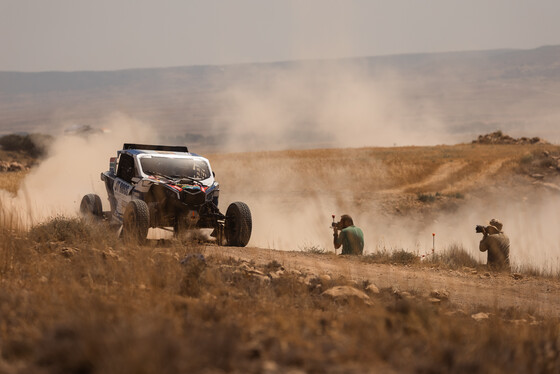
(118, 34)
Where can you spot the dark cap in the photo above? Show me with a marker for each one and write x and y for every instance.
(346, 218)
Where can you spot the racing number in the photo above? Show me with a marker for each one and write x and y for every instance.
(123, 194)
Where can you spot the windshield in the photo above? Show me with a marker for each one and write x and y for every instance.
(176, 167)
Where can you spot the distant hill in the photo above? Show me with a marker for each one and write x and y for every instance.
(465, 93)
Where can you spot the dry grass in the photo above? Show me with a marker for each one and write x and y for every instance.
(376, 169)
(75, 299)
(400, 257)
(11, 181)
(89, 304)
(452, 257)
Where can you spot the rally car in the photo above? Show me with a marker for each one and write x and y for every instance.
(166, 187)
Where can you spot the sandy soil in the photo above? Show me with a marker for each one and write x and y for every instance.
(467, 288)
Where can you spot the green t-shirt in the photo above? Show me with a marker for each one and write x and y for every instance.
(352, 240)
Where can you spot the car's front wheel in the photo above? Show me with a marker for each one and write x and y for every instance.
(136, 222)
(239, 224)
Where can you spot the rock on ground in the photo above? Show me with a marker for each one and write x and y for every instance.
(346, 293)
(498, 137)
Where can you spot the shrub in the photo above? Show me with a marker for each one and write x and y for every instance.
(378, 257)
(61, 229)
(527, 158)
(455, 256)
(72, 231)
(403, 257)
(397, 257)
(35, 145)
(426, 198)
(315, 249)
(273, 266)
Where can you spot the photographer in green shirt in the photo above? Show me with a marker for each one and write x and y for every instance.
(351, 238)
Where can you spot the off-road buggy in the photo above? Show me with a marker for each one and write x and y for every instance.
(166, 187)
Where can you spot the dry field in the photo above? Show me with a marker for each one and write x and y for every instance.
(74, 299)
(362, 176)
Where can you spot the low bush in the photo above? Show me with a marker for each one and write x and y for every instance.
(34, 145)
(73, 231)
(61, 229)
(427, 198)
(455, 256)
(403, 257)
(313, 249)
(391, 257)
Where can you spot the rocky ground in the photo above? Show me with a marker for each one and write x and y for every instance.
(75, 300)
(467, 287)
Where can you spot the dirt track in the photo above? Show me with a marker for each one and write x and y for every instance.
(469, 291)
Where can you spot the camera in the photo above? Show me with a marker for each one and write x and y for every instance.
(336, 225)
(480, 229)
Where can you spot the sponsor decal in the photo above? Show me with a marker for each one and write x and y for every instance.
(195, 188)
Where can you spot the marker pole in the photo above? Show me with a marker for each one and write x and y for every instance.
(333, 231)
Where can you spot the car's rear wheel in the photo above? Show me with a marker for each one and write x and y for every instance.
(91, 208)
(136, 222)
(239, 224)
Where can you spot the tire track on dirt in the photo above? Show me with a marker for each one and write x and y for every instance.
(470, 180)
(441, 174)
(445, 172)
(468, 291)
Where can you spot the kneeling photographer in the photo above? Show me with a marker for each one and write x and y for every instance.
(351, 238)
(496, 243)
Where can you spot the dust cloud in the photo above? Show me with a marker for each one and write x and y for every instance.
(298, 107)
(335, 106)
(72, 169)
(292, 207)
(304, 224)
